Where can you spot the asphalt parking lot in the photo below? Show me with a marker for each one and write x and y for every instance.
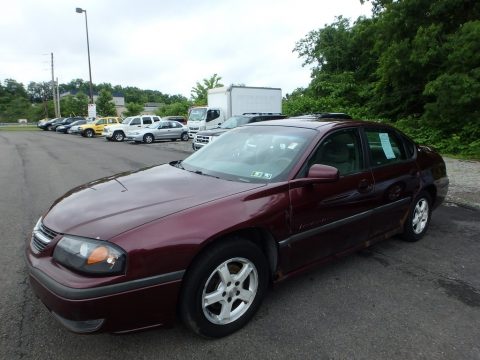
(395, 300)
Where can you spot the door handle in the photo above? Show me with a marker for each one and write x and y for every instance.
(365, 186)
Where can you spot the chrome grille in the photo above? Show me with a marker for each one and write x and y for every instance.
(203, 139)
(41, 237)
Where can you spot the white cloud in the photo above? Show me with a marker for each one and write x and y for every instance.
(165, 45)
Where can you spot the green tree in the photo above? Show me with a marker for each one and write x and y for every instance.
(14, 102)
(414, 62)
(133, 109)
(178, 108)
(105, 105)
(75, 105)
(200, 91)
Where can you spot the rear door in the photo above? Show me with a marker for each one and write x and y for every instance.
(396, 178)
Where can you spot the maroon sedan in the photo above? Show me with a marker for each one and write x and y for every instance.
(204, 237)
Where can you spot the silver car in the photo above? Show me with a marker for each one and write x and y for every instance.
(163, 130)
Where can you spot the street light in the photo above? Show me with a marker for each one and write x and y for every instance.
(80, 10)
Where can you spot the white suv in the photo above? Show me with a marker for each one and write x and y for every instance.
(117, 132)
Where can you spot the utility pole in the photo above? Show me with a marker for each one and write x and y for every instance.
(53, 91)
(58, 99)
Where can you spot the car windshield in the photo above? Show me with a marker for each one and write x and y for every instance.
(252, 154)
(234, 121)
(78, 122)
(197, 114)
(127, 120)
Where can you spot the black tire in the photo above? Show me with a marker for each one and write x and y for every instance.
(148, 138)
(118, 136)
(184, 136)
(203, 278)
(418, 219)
(49, 127)
(89, 133)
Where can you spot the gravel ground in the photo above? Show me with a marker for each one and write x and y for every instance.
(464, 176)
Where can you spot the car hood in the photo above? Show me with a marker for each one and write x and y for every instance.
(109, 206)
(213, 132)
(116, 126)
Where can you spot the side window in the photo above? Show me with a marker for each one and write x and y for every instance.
(135, 121)
(101, 122)
(212, 115)
(341, 150)
(384, 147)
(112, 121)
(156, 119)
(409, 147)
(147, 121)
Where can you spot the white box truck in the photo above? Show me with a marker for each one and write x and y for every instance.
(224, 102)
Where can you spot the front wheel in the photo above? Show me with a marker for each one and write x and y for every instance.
(89, 133)
(418, 219)
(224, 288)
(148, 138)
(118, 136)
(184, 137)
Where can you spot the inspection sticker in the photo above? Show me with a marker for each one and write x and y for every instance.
(386, 146)
(261, 175)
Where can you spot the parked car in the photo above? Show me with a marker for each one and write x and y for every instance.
(163, 130)
(66, 121)
(41, 122)
(96, 127)
(65, 128)
(75, 128)
(204, 236)
(117, 131)
(202, 138)
(47, 125)
(181, 119)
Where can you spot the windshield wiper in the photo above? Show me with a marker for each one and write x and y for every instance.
(199, 172)
(177, 164)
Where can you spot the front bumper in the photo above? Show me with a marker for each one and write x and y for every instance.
(120, 307)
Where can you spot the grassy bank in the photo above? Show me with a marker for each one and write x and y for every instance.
(19, 128)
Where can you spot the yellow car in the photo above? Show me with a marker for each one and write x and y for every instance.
(96, 127)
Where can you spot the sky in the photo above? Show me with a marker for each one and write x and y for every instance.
(164, 45)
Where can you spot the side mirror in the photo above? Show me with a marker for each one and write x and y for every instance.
(323, 173)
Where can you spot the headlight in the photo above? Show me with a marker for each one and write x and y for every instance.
(90, 256)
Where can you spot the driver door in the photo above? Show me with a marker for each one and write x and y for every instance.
(329, 218)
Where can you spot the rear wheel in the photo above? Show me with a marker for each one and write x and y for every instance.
(184, 137)
(89, 133)
(418, 219)
(148, 138)
(224, 288)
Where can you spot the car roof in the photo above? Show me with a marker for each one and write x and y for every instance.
(315, 123)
